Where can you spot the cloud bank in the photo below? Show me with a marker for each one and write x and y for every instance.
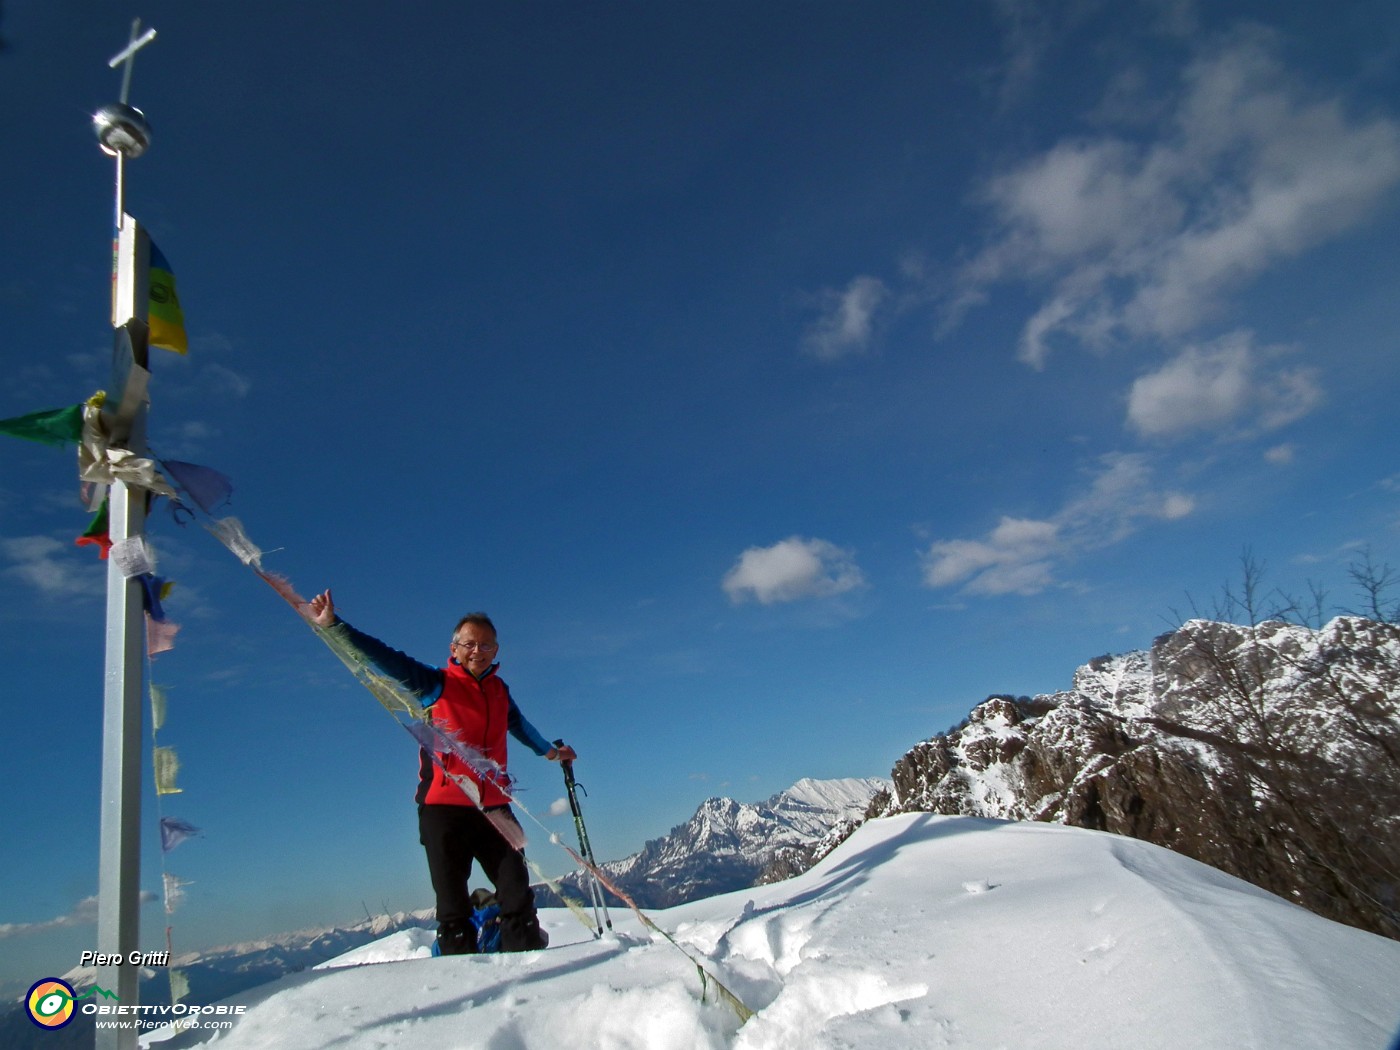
(1138, 237)
(84, 913)
(1020, 555)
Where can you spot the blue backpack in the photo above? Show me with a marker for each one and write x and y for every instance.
(486, 917)
(486, 922)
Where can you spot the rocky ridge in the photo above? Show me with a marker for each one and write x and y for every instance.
(1271, 752)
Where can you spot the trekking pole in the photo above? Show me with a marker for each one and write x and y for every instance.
(594, 889)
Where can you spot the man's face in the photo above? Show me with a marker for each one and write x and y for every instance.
(475, 647)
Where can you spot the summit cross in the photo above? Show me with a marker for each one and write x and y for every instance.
(127, 55)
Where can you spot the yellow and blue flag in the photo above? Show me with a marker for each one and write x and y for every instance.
(166, 319)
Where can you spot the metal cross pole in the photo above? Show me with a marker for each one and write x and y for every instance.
(124, 134)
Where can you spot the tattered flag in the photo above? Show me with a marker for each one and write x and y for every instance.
(206, 487)
(50, 426)
(174, 831)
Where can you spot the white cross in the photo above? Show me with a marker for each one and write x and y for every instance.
(127, 55)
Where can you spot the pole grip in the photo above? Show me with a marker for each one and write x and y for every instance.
(568, 767)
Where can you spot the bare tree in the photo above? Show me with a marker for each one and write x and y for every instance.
(1375, 582)
(1314, 769)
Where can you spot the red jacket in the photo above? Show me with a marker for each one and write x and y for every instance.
(478, 714)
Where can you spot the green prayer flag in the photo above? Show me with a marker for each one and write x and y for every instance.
(53, 426)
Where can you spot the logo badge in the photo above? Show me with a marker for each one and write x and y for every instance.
(50, 1003)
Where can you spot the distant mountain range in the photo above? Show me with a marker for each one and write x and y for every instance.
(730, 845)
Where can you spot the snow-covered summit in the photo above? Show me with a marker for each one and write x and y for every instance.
(918, 931)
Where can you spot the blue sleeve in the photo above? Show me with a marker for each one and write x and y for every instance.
(523, 731)
(423, 681)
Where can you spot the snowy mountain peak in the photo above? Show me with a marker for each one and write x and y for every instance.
(1267, 751)
(728, 844)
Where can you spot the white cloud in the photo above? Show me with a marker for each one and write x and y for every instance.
(52, 567)
(1014, 558)
(84, 913)
(792, 569)
(1229, 383)
(847, 323)
(1019, 555)
(1136, 238)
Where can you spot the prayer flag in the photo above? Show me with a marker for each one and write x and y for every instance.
(179, 986)
(167, 765)
(160, 635)
(157, 708)
(133, 557)
(52, 426)
(166, 319)
(97, 532)
(154, 589)
(209, 489)
(174, 891)
(173, 832)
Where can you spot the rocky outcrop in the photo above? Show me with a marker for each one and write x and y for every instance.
(1271, 752)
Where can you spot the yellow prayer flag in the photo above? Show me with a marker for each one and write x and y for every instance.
(167, 765)
(166, 319)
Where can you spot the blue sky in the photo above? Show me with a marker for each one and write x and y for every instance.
(782, 378)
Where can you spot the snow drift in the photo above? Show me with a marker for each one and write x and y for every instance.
(919, 931)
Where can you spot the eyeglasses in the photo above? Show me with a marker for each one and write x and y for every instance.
(485, 647)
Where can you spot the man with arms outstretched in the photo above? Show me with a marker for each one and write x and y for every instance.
(470, 703)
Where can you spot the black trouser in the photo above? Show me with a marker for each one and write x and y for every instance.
(454, 836)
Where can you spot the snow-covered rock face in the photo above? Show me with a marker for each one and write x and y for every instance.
(1271, 752)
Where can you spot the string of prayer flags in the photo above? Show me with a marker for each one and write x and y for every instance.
(166, 764)
(166, 319)
(50, 426)
(406, 710)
